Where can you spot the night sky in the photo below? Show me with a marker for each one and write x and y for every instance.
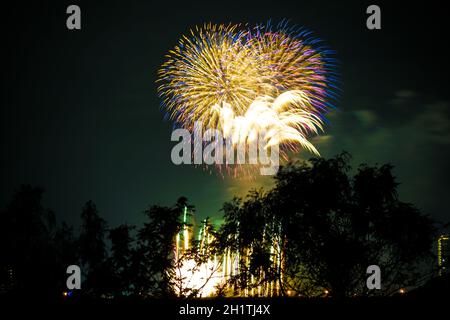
(81, 117)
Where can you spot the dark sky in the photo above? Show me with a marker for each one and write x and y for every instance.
(80, 115)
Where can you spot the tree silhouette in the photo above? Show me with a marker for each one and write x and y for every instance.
(121, 256)
(27, 249)
(98, 269)
(154, 258)
(248, 235)
(316, 232)
(67, 253)
(336, 225)
(313, 234)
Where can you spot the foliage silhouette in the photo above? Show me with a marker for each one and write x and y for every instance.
(332, 226)
(318, 229)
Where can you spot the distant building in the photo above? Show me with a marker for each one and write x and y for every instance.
(7, 279)
(443, 250)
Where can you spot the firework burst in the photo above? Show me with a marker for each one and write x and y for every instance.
(241, 79)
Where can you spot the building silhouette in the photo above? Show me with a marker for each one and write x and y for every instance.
(443, 255)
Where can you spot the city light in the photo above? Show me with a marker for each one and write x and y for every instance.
(67, 294)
